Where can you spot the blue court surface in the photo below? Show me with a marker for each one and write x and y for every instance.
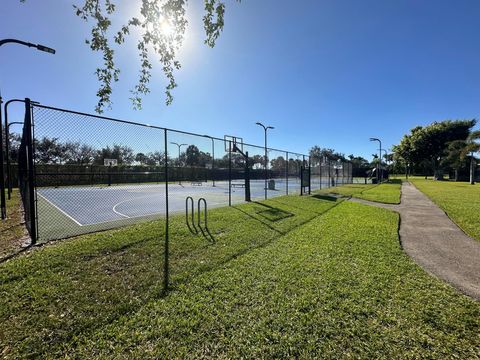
(92, 205)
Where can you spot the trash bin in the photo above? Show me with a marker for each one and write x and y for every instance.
(271, 184)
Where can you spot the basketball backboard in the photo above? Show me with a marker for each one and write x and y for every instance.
(110, 162)
(233, 143)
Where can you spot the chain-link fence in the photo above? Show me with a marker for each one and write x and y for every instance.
(91, 173)
(80, 173)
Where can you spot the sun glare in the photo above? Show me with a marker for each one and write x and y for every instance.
(166, 28)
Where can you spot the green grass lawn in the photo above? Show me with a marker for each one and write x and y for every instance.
(385, 193)
(12, 230)
(55, 293)
(460, 200)
(290, 277)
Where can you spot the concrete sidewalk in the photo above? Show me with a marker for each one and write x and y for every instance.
(434, 242)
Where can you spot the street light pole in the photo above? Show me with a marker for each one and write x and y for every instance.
(379, 166)
(213, 158)
(25, 43)
(386, 158)
(7, 143)
(265, 128)
(179, 147)
(3, 202)
(7, 153)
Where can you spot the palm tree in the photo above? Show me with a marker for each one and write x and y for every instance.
(472, 147)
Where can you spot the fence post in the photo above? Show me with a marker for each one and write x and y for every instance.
(309, 177)
(286, 171)
(31, 176)
(320, 174)
(301, 180)
(165, 264)
(247, 179)
(229, 173)
(3, 202)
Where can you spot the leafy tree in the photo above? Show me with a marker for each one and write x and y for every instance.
(205, 158)
(161, 24)
(77, 153)
(425, 146)
(122, 153)
(317, 154)
(156, 158)
(278, 164)
(257, 161)
(471, 147)
(238, 161)
(454, 156)
(142, 158)
(14, 141)
(359, 162)
(195, 157)
(294, 166)
(49, 151)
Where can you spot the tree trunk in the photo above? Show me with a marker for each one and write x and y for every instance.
(456, 175)
(437, 173)
(472, 170)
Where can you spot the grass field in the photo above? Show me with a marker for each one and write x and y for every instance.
(291, 277)
(460, 200)
(385, 193)
(12, 229)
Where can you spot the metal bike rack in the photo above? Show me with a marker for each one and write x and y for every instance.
(204, 213)
(192, 228)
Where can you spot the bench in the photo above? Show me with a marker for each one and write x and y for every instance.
(197, 183)
(235, 185)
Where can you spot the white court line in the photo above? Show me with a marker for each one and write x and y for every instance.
(124, 201)
(56, 207)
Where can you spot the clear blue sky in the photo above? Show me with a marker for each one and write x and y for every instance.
(330, 73)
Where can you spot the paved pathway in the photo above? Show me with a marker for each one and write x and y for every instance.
(434, 242)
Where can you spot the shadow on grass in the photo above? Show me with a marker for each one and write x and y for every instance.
(272, 213)
(17, 252)
(207, 235)
(325, 197)
(292, 206)
(259, 220)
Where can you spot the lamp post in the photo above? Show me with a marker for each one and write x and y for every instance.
(379, 166)
(179, 147)
(7, 153)
(213, 158)
(3, 203)
(7, 143)
(265, 128)
(386, 158)
(25, 43)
